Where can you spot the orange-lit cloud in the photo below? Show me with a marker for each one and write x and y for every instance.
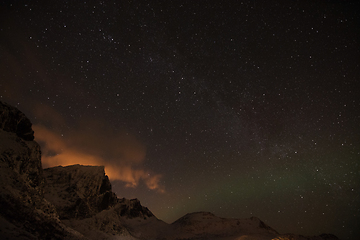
(95, 144)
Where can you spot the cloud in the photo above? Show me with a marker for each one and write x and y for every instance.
(94, 143)
(116, 145)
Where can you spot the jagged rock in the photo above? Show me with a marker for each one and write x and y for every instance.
(12, 120)
(24, 212)
(133, 209)
(18, 151)
(83, 198)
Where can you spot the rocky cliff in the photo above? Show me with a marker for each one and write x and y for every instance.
(84, 201)
(78, 191)
(25, 213)
(76, 202)
(73, 202)
(12, 120)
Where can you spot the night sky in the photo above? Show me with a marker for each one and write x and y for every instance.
(240, 108)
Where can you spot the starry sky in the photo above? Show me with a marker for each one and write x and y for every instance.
(240, 108)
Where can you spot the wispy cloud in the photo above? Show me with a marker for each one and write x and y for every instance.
(94, 143)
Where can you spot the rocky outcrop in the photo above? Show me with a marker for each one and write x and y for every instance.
(25, 213)
(83, 198)
(12, 120)
(18, 151)
(56, 203)
(78, 191)
(133, 209)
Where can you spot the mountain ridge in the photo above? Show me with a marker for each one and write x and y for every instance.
(77, 203)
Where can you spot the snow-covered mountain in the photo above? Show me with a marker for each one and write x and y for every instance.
(76, 202)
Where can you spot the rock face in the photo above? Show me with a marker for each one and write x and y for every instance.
(12, 120)
(55, 203)
(78, 191)
(76, 202)
(24, 212)
(84, 201)
(18, 150)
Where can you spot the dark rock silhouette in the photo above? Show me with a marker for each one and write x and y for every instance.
(25, 213)
(12, 120)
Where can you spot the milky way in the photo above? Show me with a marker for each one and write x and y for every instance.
(240, 108)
